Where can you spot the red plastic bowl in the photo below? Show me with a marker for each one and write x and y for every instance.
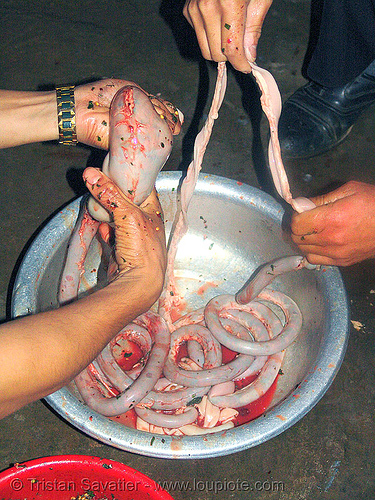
(67, 476)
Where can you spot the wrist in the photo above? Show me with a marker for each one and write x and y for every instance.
(66, 115)
(50, 130)
(145, 286)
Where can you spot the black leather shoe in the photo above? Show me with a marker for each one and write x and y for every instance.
(315, 119)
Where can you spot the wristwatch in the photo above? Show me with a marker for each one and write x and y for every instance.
(66, 115)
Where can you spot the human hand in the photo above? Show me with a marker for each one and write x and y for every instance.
(228, 29)
(93, 101)
(140, 248)
(340, 231)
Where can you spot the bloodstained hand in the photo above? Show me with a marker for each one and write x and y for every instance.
(228, 30)
(93, 101)
(140, 248)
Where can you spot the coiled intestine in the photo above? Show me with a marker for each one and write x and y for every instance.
(180, 385)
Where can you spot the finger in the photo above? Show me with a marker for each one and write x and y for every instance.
(101, 139)
(105, 232)
(130, 225)
(342, 261)
(193, 17)
(320, 260)
(209, 40)
(106, 192)
(308, 223)
(308, 239)
(186, 12)
(109, 195)
(255, 15)
(330, 255)
(153, 209)
(205, 18)
(344, 191)
(214, 33)
(103, 91)
(322, 250)
(176, 117)
(232, 35)
(169, 112)
(97, 127)
(152, 204)
(251, 40)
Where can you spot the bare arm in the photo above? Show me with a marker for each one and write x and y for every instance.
(27, 117)
(39, 354)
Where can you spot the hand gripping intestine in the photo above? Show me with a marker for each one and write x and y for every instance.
(195, 393)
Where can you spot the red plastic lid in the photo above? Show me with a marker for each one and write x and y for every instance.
(64, 477)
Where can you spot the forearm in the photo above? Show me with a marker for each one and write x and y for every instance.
(42, 353)
(27, 117)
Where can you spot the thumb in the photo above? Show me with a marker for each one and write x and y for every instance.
(251, 44)
(151, 205)
(106, 192)
(109, 195)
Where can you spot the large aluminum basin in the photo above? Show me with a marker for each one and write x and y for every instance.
(234, 228)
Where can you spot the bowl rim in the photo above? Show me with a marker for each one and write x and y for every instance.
(79, 462)
(272, 423)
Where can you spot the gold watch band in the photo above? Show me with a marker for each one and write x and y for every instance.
(66, 115)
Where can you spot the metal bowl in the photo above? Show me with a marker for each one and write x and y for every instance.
(81, 474)
(234, 228)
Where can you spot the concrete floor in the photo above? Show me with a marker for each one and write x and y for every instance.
(329, 453)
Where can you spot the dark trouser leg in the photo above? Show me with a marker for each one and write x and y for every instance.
(344, 43)
(340, 64)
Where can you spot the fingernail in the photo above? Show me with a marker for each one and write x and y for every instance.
(91, 175)
(251, 52)
(180, 116)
